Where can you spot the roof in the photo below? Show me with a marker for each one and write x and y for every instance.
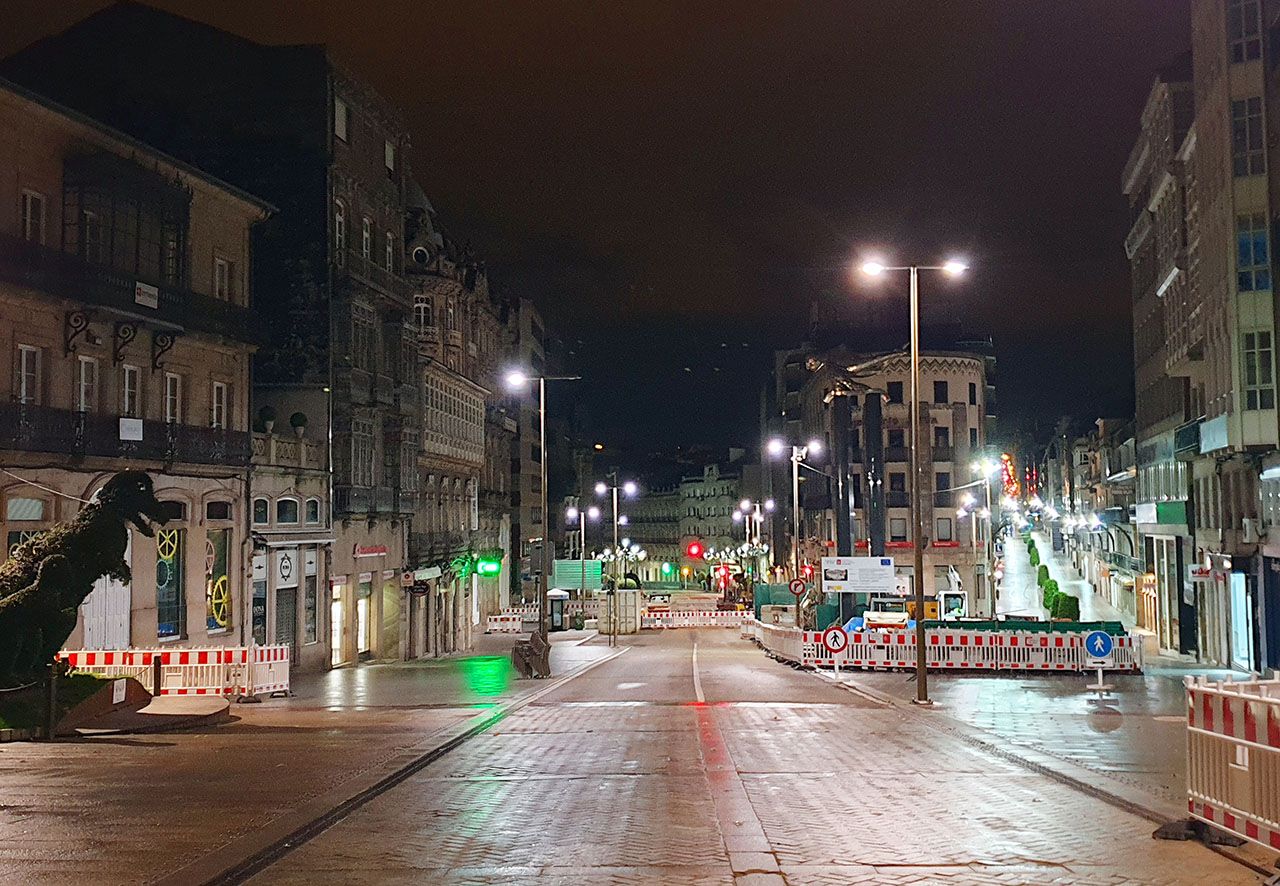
(123, 138)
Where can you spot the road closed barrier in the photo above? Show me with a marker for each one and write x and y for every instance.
(220, 670)
(947, 649)
(505, 624)
(694, 619)
(1233, 757)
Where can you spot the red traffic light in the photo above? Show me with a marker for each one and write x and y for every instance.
(724, 571)
(807, 570)
(694, 550)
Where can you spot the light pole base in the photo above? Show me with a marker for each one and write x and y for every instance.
(925, 703)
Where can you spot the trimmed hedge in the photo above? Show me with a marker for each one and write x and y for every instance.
(1049, 592)
(1035, 558)
(1066, 606)
(1042, 575)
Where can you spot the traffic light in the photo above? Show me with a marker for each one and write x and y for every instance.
(666, 568)
(694, 550)
(806, 571)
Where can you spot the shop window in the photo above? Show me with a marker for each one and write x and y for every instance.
(217, 584)
(171, 604)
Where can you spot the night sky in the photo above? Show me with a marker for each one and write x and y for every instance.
(673, 184)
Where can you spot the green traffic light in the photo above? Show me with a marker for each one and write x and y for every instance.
(489, 567)
(666, 568)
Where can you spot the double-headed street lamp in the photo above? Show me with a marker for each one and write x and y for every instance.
(953, 268)
(516, 380)
(752, 513)
(627, 488)
(572, 514)
(798, 455)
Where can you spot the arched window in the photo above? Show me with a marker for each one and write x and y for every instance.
(261, 511)
(287, 510)
(313, 511)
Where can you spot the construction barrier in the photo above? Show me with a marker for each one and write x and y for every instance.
(694, 619)
(221, 670)
(947, 649)
(505, 624)
(1233, 757)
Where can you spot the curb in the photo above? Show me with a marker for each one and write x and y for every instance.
(243, 857)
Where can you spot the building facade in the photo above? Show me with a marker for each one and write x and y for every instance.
(527, 337)
(125, 287)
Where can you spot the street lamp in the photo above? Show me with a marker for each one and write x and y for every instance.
(627, 488)
(953, 267)
(517, 379)
(986, 470)
(572, 514)
(777, 447)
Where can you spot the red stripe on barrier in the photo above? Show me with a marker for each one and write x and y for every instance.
(1228, 718)
(1207, 722)
(1250, 722)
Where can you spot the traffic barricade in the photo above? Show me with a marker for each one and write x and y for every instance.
(219, 670)
(784, 643)
(1233, 756)
(963, 650)
(505, 624)
(1025, 650)
(268, 669)
(880, 649)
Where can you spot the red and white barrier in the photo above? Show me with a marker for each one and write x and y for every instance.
(694, 619)
(947, 649)
(220, 670)
(1233, 757)
(505, 624)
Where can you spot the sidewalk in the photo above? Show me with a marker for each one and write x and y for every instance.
(133, 809)
(1021, 595)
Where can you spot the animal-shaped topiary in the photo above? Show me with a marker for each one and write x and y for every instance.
(46, 579)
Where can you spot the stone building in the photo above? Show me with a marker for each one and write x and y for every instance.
(527, 337)
(126, 290)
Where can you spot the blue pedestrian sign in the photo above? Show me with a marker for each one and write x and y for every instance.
(1099, 644)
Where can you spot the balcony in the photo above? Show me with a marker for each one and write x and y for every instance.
(351, 500)
(437, 547)
(1186, 440)
(897, 454)
(897, 499)
(65, 276)
(29, 428)
(373, 275)
(271, 450)
(1137, 234)
(943, 453)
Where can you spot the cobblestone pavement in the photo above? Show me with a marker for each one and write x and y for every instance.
(130, 809)
(692, 758)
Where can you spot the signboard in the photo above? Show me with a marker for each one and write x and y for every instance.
(835, 639)
(858, 575)
(369, 550)
(1199, 573)
(131, 429)
(568, 574)
(1099, 645)
(796, 586)
(146, 295)
(285, 567)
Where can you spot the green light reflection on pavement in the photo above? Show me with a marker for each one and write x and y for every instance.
(487, 675)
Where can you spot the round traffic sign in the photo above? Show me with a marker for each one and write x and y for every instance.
(796, 586)
(835, 639)
(1099, 644)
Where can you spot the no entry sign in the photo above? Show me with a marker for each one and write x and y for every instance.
(796, 586)
(835, 639)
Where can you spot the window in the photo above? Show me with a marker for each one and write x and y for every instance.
(339, 233)
(29, 381)
(894, 390)
(94, 243)
(1244, 29)
(87, 384)
(389, 156)
(33, 217)
(310, 611)
(313, 510)
(897, 529)
(940, 392)
(942, 480)
(941, 436)
(23, 510)
(361, 452)
(943, 530)
(366, 238)
(341, 118)
(409, 462)
(450, 317)
(973, 394)
(130, 391)
(171, 602)
(1247, 146)
(172, 398)
(897, 482)
(217, 584)
(217, 510)
(362, 337)
(222, 278)
(287, 510)
(897, 438)
(1259, 384)
(973, 438)
(391, 251)
(221, 402)
(1253, 269)
(422, 312)
(261, 511)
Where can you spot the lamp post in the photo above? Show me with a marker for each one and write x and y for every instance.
(798, 454)
(986, 470)
(875, 269)
(629, 489)
(516, 379)
(591, 513)
(753, 513)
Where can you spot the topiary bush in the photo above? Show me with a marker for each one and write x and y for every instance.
(1066, 606)
(1035, 558)
(1042, 575)
(1049, 590)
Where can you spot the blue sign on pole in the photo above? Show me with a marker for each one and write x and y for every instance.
(1099, 644)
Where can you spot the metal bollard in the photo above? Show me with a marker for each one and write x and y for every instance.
(157, 675)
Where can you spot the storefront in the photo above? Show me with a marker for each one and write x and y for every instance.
(366, 599)
(287, 607)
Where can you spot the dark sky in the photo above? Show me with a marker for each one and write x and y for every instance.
(672, 182)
